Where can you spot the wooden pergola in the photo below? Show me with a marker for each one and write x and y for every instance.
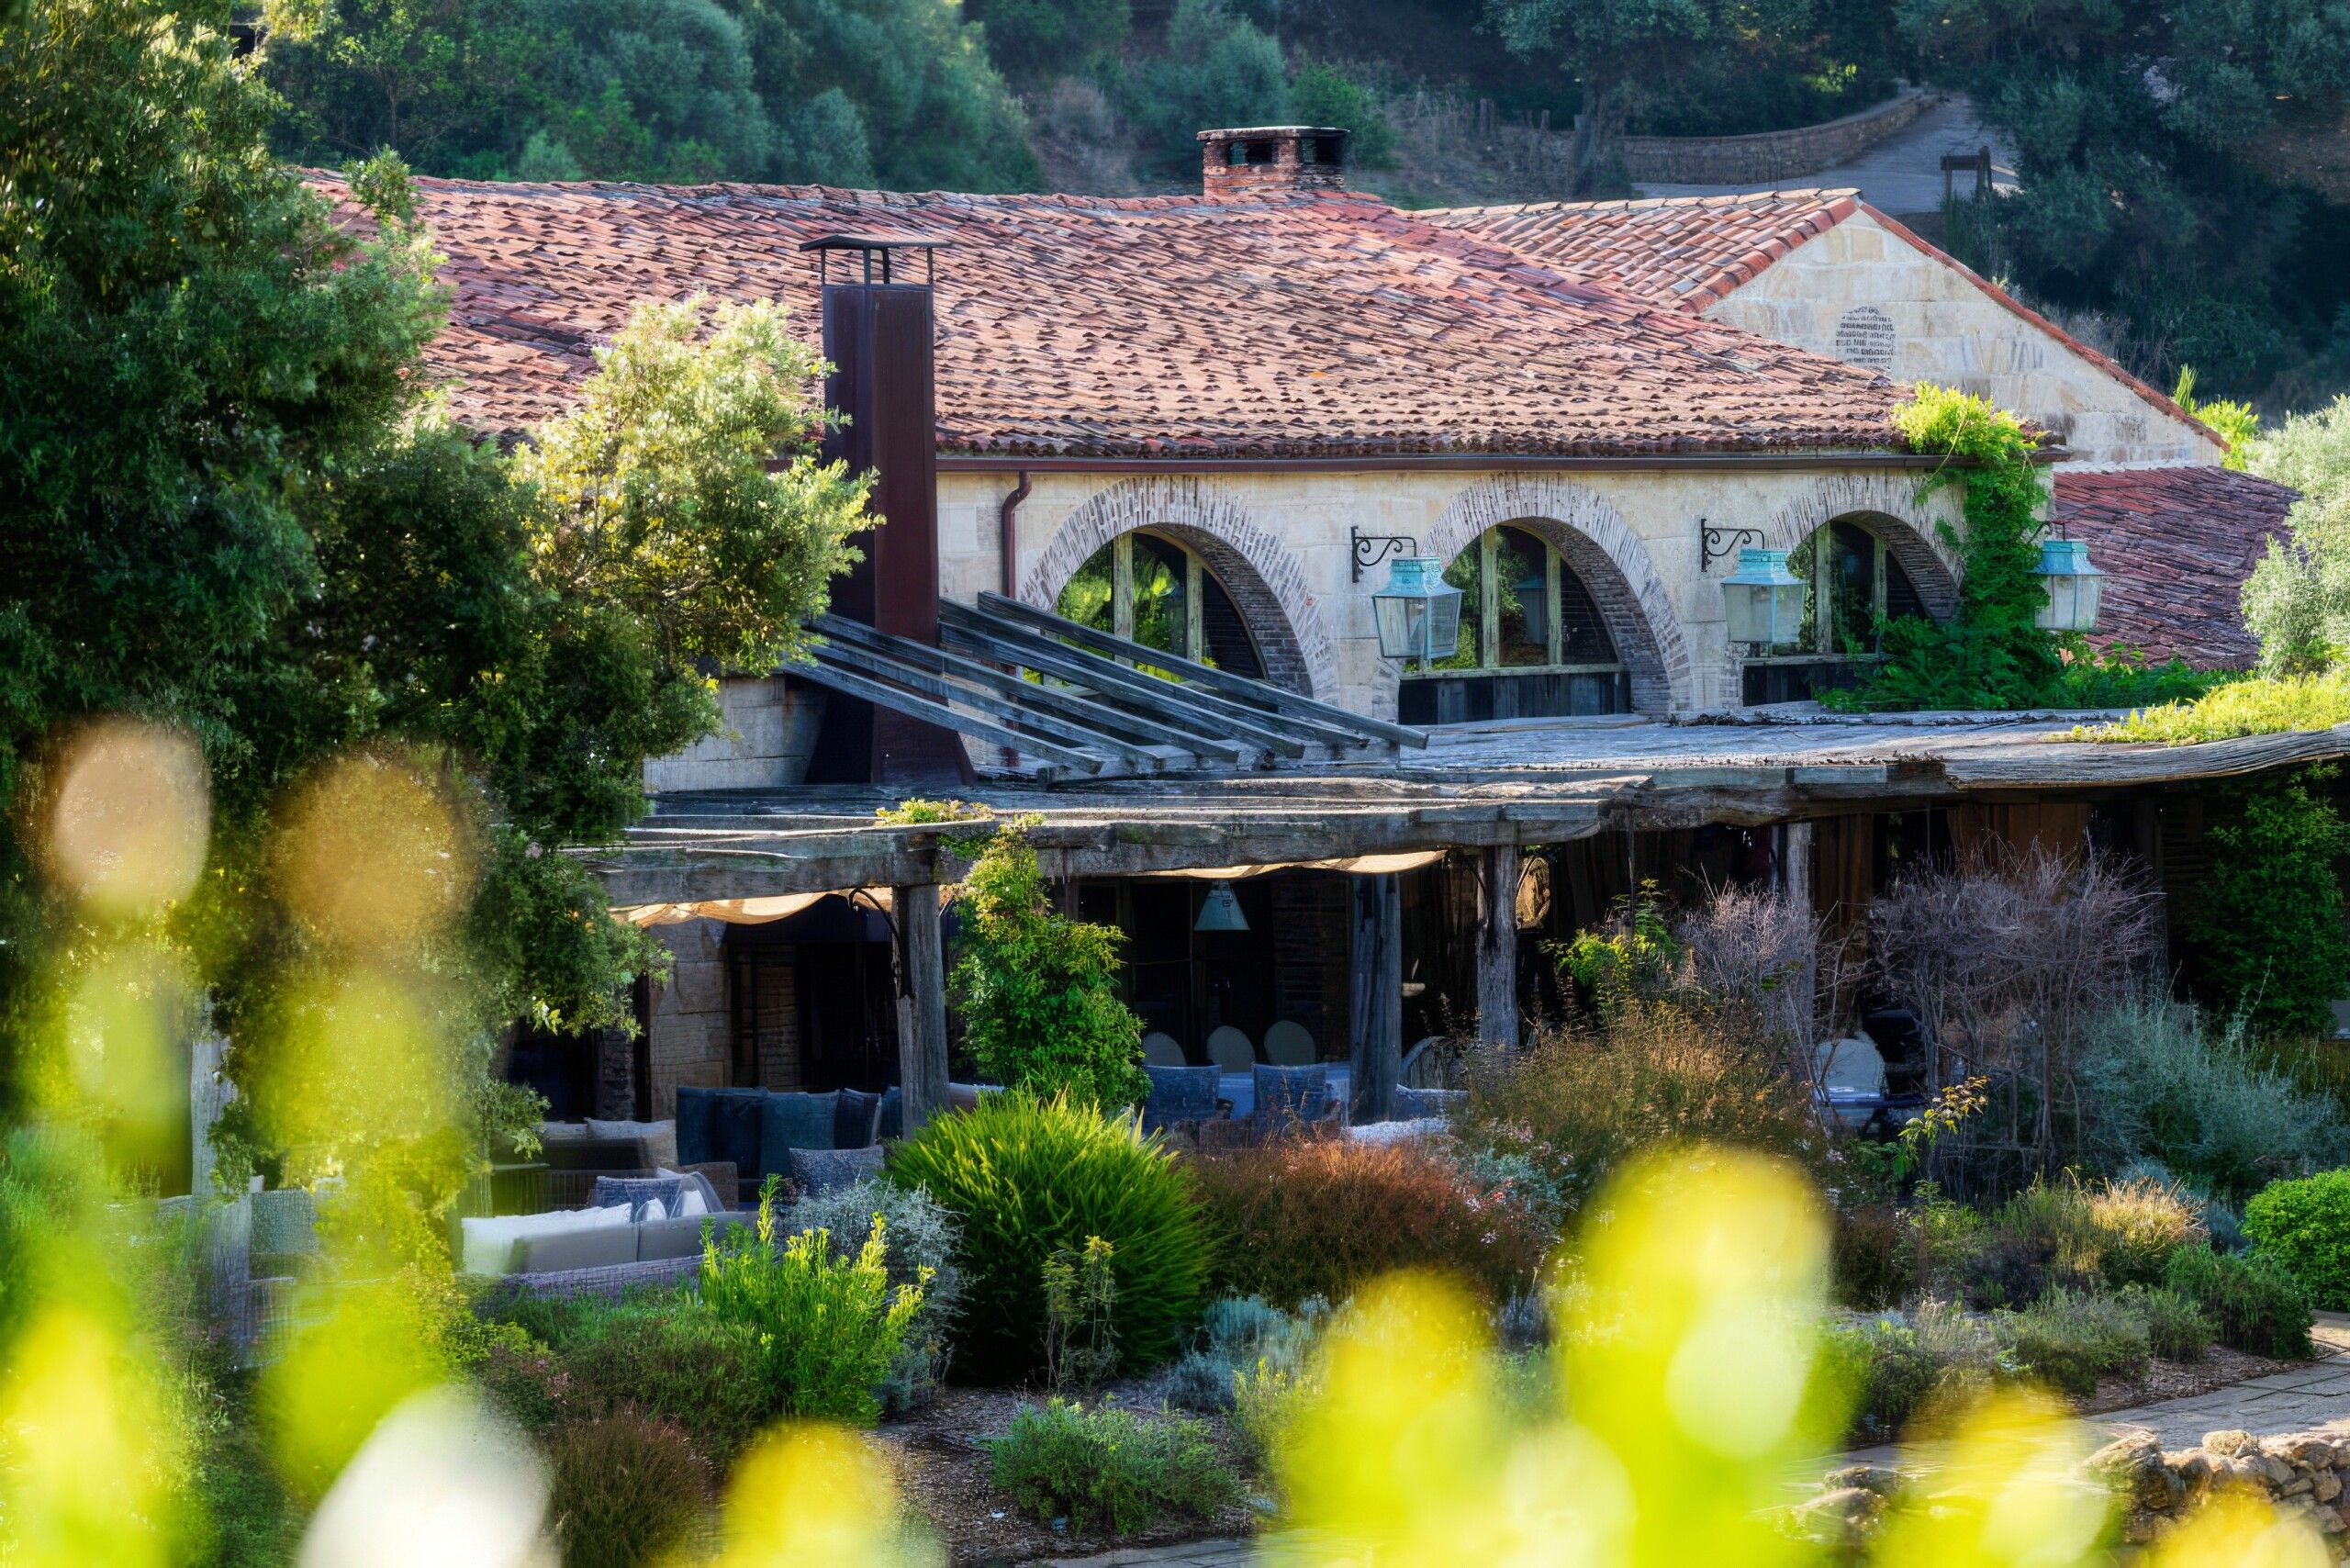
(1490, 793)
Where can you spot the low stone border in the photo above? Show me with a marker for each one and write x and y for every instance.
(2304, 1471)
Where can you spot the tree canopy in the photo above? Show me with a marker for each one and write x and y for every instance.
(215, 426)
(896, 93)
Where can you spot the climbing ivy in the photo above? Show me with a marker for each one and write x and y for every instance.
(2266, 937)
(1989, 654)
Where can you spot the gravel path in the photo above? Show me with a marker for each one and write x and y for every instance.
(1902, 174)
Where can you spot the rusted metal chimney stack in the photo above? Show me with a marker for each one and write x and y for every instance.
(877, 338)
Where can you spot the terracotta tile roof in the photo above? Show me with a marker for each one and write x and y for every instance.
(1695, 252)
(1284, 325)
(1688, 251)
(2177, 545)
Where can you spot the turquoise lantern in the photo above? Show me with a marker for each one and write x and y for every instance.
(2074, 587)
(1764, 599)
(1418, 613)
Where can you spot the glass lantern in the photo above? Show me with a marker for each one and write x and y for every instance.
(2073, 587)
(1764, 599)
(1220, 910)
(1418, 613)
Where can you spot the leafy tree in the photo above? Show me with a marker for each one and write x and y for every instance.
(2135, 128)
(1219, 69)
(2266, 936)
(1037, 990)
(848, 92)
(1321, 94)
(1042, 37)
(1615, 48)
(2297, 600)
(226, 504)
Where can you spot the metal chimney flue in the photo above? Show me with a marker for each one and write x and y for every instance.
(878, 338)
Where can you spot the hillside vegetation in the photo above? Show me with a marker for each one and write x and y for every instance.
(2182, 168)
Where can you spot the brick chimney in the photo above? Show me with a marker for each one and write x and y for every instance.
(1237, 165)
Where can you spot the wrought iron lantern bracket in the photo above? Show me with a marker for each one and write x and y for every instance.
(1370, 549)
(1721, 543)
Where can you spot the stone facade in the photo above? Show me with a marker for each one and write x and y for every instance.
(1278, 541)
(1769, 154)
(770, 732)
(690, 1032)
(1869, 296)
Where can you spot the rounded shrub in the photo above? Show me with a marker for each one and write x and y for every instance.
(2251, 1302)
(2305, 1224)
(1027, 1178)
(626, 1492)
(1304, 1217)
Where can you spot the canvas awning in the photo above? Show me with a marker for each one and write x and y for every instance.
(737, 912)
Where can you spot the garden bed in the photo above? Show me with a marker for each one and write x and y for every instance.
(944, 1468)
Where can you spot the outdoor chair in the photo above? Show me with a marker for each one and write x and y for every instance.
(1230, 1049)
(1160, 1050)
(1288, 1044)
(1180, 1095)
(1287, 1096)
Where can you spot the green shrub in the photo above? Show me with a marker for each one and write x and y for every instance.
(625, 1492)
(1266, 1400)
(923, 1243)
(1304, 1217)
(2068, 1339)
(1244, 1337)
(1883, 1370)
(1109, 1467)
(2040, 1238)
(2255, 1304)
(1027, 1177)
(1585, 1095)
(1875, 1260)
(669, 1359)
(2177, 1329)
(2138, 1224)
(2159, 1082)
(829, 1328)
(2305, 1226)
(2267, 937)
(1038, 992)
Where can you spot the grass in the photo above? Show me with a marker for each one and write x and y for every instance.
(2259, 706)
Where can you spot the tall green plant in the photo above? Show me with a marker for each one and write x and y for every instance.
(829, 1327)
(1989, 654)
(1038, 991)
(2266, 936)
(1028, 1178)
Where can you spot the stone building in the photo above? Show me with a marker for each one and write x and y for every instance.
(1201, 423)
(1823, 270)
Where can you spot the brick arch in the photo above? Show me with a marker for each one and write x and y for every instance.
(1601, 549)
(1892, 505)
(1263, 577)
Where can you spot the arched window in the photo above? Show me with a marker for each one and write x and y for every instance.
(1532, 641)
(1856, 584)
(1159, 593)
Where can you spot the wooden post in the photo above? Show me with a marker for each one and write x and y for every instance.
(1497, 944)
(922, 1003)
(1378, 1010)
(1795, 864)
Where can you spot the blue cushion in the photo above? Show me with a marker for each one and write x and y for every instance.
(853, 1111)
(1287, 1094)
(696, 1141)
(734, 1127)
(793, 1121)
(1178, 1095)
(891, 1122)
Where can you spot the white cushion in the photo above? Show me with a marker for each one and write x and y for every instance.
(1398, 1132)
(690, 1203)
(556, 1132)
(490, 1239)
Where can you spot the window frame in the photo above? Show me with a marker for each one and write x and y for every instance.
(1489, 619)
(1197, 572)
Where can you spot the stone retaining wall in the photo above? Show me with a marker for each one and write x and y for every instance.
(1770, 155)
(2303, 1474)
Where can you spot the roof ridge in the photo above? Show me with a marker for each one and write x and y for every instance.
(1822, 194)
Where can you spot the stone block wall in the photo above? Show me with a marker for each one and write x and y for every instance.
(2303, 1474)
(1770, 155)
(1869, 296)
(769, 730)
(689, 1030)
